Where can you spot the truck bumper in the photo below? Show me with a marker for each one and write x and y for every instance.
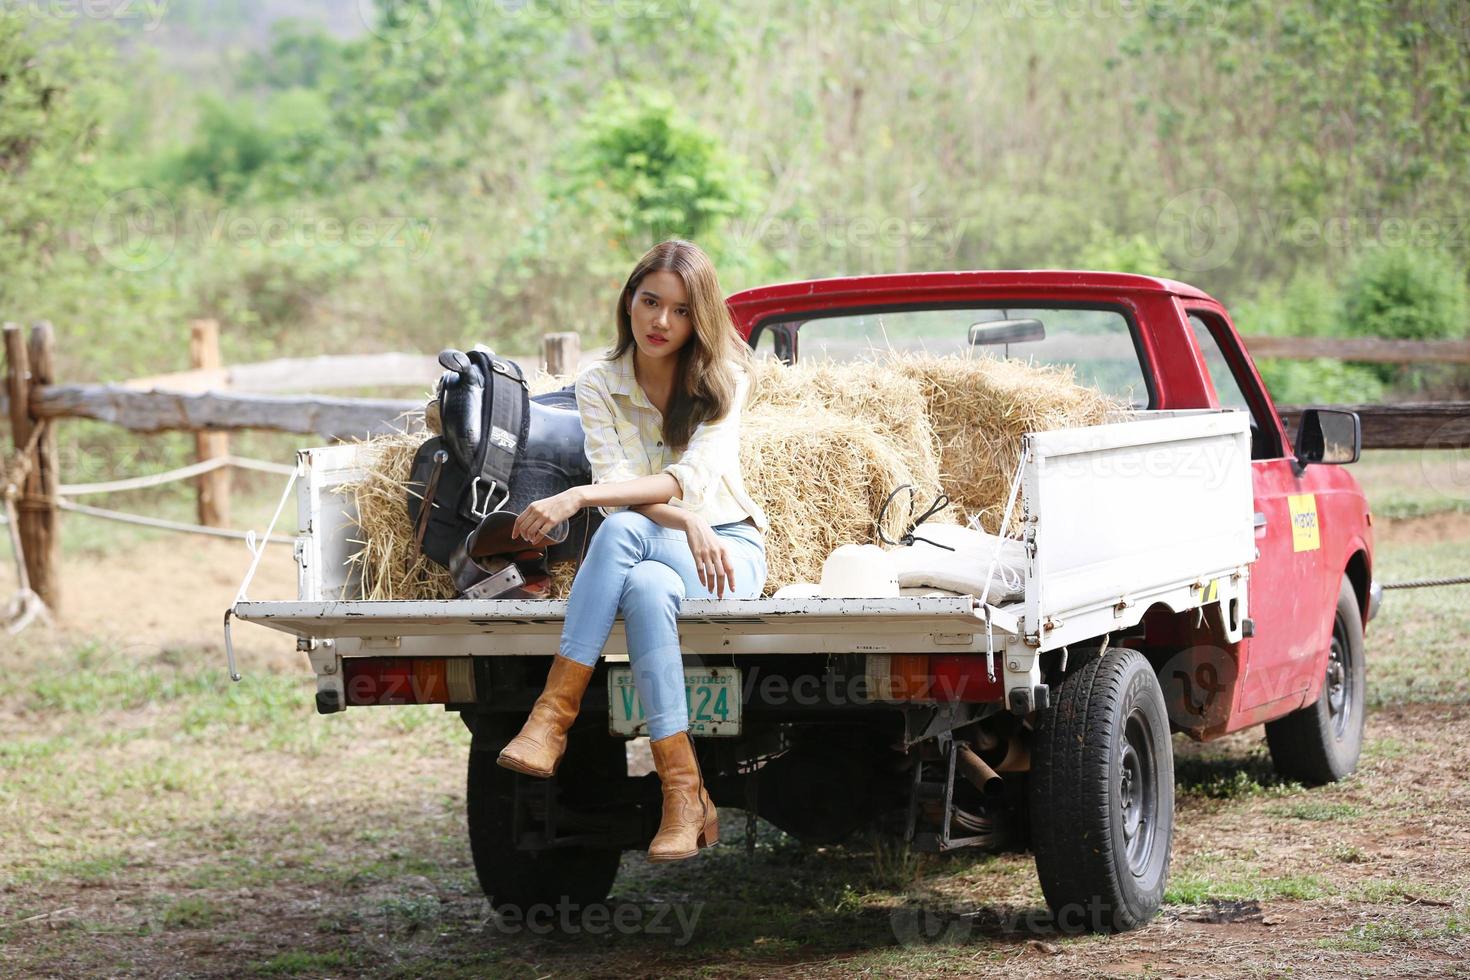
(1375, 598)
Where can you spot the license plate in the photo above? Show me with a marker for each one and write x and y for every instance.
(712, 693)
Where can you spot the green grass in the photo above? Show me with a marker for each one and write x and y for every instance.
(1205, 772)
(1316, 810)
(1199, 887)
(1416, 647)
(296, 963)
(1403, 483)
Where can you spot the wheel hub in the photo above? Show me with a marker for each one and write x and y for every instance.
(1137, 793)
(1336, 681)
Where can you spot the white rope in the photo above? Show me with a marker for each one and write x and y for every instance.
(166, 525)
(171, 476)
(1005, 522)
(257, 551)
(26, 604)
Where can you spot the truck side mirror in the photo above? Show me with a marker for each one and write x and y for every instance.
(1328, 435)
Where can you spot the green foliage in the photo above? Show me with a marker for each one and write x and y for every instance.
(300, 55)
(1320, 381)
(1111, 252)
(1406, 294)
(645, 172)
(55, 91)
(274, 151)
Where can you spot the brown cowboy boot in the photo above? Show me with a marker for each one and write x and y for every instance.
(689, 818)
(538, 749)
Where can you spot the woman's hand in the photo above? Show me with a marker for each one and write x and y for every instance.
(711, 556)
(545, 514)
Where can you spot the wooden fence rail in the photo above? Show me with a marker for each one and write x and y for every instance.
(1371, 349)
(1427, 425)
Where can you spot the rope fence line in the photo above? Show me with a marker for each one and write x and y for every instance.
(169, 476)
(165, 524)
(22, 465)
(1428, 583)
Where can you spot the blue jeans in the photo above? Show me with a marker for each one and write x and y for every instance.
(643, 569)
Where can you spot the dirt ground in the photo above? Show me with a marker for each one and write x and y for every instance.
(157, 821)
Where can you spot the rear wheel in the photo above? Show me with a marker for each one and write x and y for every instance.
(1102, 796)
(1320, 743)
(513, 877)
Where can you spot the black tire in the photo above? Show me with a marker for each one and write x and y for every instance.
(1320, 743)
(512, 877)
(1102, 796)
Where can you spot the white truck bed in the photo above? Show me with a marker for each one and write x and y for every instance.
(1117, 518)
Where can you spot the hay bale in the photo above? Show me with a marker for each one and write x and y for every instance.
(389, 565)
(980, 407)
(890, 405)
(821, 480)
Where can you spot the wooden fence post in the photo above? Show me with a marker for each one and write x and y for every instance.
(45, 540)
(36, 510)
(214, 486)
(563, 352)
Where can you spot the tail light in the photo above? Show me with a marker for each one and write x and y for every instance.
(931, 677)
(408, 680)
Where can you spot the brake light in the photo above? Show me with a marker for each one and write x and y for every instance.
(938, 677)
(408, 680)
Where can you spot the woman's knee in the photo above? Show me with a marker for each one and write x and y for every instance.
(624, 532)
(651, 581)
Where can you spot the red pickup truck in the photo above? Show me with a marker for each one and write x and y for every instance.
(1194, 569)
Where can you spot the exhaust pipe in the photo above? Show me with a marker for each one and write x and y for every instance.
(981, 776)
(1018, 755)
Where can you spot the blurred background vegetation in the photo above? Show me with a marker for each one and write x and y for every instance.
(335, 175)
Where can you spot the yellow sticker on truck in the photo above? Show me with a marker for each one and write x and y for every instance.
(1306, 532)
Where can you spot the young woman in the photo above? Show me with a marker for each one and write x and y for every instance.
(661, 419)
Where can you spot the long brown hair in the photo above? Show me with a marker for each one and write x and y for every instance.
(711, 360)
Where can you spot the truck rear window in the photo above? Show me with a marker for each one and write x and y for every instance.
(1097, 343)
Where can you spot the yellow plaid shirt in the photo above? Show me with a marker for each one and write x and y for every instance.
(623, 434)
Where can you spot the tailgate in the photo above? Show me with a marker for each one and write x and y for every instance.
(512, 627)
